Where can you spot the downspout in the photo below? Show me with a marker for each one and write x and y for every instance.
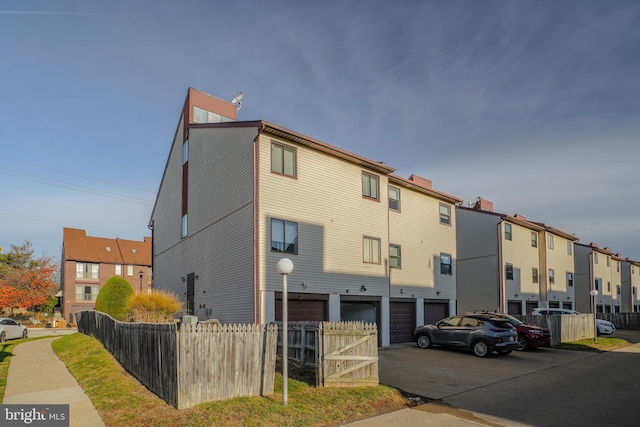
(153, 251)
(501, 284)
(257, 299)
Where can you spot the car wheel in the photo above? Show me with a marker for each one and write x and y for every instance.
(25, 334)
(3, 336)
(523, 343)
(424, 341)
(504, 352)
(480, 348)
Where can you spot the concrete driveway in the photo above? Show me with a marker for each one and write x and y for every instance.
(544, 387)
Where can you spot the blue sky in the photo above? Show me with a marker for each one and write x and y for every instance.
(534, 106)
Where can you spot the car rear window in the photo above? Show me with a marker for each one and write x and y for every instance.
(502, 324)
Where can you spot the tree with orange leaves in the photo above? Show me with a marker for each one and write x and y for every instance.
(25, 281)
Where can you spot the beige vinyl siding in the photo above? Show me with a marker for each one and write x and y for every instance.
(326, 202)
(559, 260)
(519, 252)
(168, 210)
(478, 280)
(417, 229)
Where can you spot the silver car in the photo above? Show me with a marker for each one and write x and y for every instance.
(480, 333)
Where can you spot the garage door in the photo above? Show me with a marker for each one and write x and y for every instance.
(303, 310)
(514, 307)
(401, 321)
(531, 305)
(434, 311)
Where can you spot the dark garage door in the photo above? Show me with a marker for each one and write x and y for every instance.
(401, 321)
(434, 311)
(514, 307)
(303, 310)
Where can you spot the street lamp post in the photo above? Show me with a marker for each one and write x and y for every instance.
(284, 267)
(594, 294)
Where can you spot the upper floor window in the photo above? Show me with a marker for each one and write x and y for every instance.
(552, 276)
(507, 232)
(395, 260)
(185, 152)
(534, 275)
(204, 116)
(87, 271)
(598, 284)
(118, 269)
(534, 239)
(370, 185)
(509, 271)
(87, 293)
(283, 159)
(284, 236)
(370, 250)
(550, 241)
(595, 257)
(618, 266)
(183, 226)
(569, 248)
(608, 261)
(608, 286)
(394, 198)
(445, 214)
(129, 270)
(446, 266)
(569, 279)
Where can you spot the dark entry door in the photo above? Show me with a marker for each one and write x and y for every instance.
(191, 280)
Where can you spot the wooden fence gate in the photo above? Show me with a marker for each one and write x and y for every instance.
(348, 354)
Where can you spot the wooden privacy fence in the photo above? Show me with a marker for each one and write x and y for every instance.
(193, 364)
(622, 320)
(302, 340)
(564, 328)
(347, 354)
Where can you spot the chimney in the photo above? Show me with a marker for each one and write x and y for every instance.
(522, 217)
(593, 244)
(483, 205)
(423, 182)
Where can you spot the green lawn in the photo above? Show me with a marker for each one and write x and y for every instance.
(602, 344)
(122, 401)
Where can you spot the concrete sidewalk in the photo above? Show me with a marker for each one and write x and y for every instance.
(37, 376)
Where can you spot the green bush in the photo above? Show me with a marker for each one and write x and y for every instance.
(112, 298)
(156, 307)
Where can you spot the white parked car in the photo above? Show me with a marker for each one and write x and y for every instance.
(604, 327)
(9, 329)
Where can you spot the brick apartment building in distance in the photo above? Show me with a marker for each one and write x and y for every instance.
(88, 262)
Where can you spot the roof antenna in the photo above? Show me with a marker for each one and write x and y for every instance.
(237, 100)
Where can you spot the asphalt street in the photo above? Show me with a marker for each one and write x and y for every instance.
(544, 387)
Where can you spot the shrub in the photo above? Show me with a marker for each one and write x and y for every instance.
(112, 298)
(156, 307)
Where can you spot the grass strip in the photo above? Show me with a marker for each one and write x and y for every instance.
(122, 401)
(602, 344)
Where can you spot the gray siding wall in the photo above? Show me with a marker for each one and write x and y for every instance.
(583, 278)
(478, 262)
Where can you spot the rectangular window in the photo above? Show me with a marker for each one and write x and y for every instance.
(534, 275)
(534, 239)
(118, 269)
(149, 274)
(394, 198)
(395, 260)
(183, 229)
(595, 257)
(445, 264)
(618, 289)
(552, 276)
(569, 279)
(635, 291)
(507, 232)
(284, 236)
(371, 250)
(129, 270)
(608, 261)
(569, 247)
(370, 185)
(185, 152)
(608, 286)
(199, 115)
(598, 284)
(283, 159)
(509, 271)
(86, 293)
(550, 241)
(445, 214)
(618, 267)
(87, 271)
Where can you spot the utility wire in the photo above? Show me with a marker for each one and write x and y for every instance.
(73, 174)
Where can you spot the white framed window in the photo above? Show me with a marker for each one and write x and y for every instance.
(199, 115)
(552, 276)
(394, 198)
(445, 214)
(395, 256)
(569, 279)
(446, 266)
(185, 152)
(550, 241)
(370, 250)
(370, 185)
(283, 159)
(534, 275)
(508, 235)
(183, 226)
(86, 270)
(284, 236)
(87, 293)
(118, 269)
(534, 239)
(129, 270)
